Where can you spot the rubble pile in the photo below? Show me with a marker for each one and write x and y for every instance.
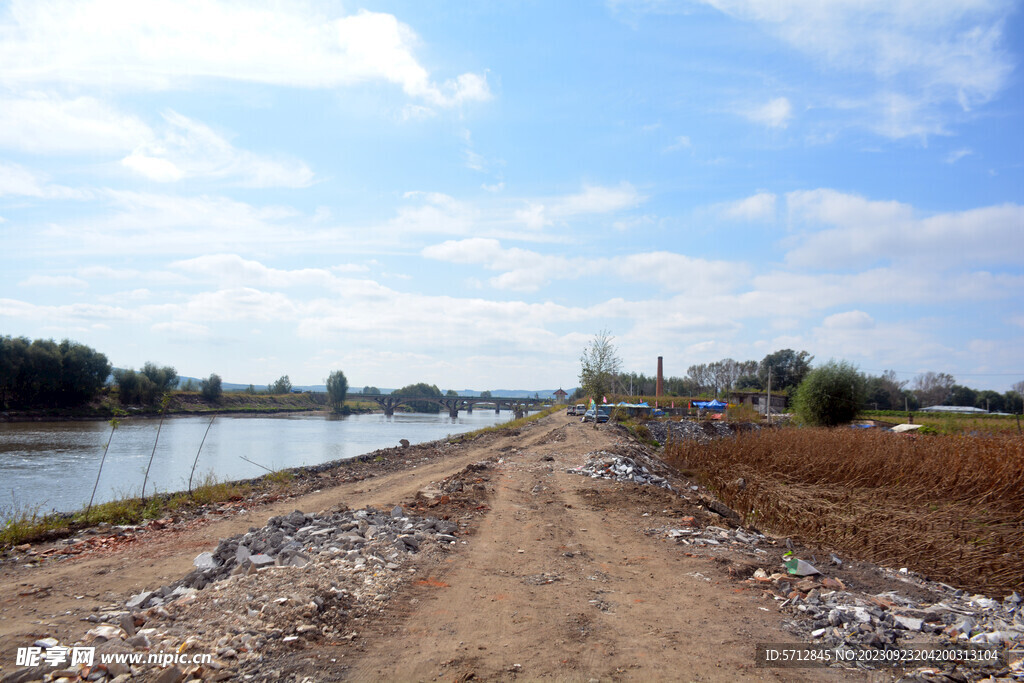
(688, 430)
(300, 578)
(829, 613)
(824, 610)
(293, 540)
(716, 536)
(605, 465)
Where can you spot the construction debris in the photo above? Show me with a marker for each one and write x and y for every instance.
(605, 465)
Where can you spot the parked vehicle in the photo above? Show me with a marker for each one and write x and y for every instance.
(577, 409)
(601, 414)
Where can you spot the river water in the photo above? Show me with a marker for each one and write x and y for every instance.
(52, 465)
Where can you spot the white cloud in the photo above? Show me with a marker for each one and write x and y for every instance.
(190, 149)
(775, 113)
(958, 154)
(525, 270)
(18, 181)
(181, 331)
(758, 207)
(598, 199)
(58, 281)
(926, 55)
(592, 199)
(50, 124)
(115, 44)
(235, 270)
(437, 213)
(680, 143)
(850, 320)
(77, 313)
(846, 231)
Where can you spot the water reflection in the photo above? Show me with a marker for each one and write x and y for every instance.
(53, 465)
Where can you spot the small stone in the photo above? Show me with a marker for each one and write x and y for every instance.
(833, 584)
(908, 623)
(127, 623)
(261, 560)
(139, 640)
(170, 675)
(242, 554)
(103, 633)
(397, 512)
(137, 601)
(205, 561)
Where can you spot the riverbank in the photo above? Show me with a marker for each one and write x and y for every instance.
(488, 559)
(182, 403)
(27, 524)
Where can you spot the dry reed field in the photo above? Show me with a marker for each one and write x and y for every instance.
(949, 507)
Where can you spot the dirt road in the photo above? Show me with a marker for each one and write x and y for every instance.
(557, 580)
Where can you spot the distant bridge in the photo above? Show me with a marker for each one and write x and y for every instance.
(454, 404)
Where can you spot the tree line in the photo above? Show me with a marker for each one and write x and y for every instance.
(785, 370)
(44, 373)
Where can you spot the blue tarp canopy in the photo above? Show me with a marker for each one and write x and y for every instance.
(623, 404)
(710, 404)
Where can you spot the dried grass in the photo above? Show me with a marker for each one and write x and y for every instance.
(949, 507)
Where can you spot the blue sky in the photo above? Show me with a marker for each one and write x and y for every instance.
(465, 193)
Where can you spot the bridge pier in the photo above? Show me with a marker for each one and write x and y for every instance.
(453, 413)
(497, 407)
(469, 408)
(389, 411)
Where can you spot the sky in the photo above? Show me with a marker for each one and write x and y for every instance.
(465, 194)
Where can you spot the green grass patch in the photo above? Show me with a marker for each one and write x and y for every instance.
(951, 423)
(28, 525)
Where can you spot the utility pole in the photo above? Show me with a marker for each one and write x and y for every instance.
(768, 408)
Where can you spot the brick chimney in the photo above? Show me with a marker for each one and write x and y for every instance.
(660, 388)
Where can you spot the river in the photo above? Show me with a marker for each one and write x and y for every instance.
(48, 466)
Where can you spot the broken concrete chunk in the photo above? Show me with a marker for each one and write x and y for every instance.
(205, 561)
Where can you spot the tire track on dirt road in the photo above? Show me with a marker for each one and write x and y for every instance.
(559, 582)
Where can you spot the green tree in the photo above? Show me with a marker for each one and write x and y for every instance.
(830, 394)
(370, 390)
(283, 385)
(421, 389)
(84, 371)
(748, 382)
(787, 367)
(337, 388)
(959, 395)
(251, 390)
(163, 378)
(210, 388)
(885, 392)
(144, 387)
(451, 392)
(599, 364)
(485, 394)
(991, 401)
